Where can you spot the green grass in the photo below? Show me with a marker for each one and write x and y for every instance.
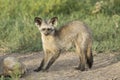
(19, 34)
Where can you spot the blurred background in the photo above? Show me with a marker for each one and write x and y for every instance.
(19, 34)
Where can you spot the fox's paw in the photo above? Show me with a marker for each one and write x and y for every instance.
(42, 70)
(80, 68)
(37, 70)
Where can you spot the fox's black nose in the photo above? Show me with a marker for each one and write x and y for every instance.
(46, 34)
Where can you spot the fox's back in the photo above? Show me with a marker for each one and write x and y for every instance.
(73, 29)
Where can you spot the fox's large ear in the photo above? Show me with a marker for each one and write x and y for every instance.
(53, 21)
(38, 21)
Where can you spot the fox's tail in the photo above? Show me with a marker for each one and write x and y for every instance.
(89, 58)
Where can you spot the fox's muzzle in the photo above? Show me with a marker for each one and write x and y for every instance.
(46, 34)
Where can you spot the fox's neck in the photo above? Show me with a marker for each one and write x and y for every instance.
(50, 38)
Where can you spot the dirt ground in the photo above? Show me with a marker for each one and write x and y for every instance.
(106, 67)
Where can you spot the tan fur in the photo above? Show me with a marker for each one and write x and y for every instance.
(73, 33)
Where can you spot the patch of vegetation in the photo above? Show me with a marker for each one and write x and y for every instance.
(19, 34)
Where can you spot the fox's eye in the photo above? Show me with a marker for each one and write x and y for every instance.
(43, 29)
(48, 29)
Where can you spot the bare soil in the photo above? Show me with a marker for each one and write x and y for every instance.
(106, 67)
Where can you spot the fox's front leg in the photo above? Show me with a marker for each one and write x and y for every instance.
(40, 67)
(43, 62)
(48, 60)
(52, 59)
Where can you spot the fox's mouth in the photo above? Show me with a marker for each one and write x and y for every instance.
(46, 34)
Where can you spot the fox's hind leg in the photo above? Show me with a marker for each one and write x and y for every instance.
(89, 56)
(82, 60)
(81, 53)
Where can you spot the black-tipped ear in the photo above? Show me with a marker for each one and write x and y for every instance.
(38, 21)
(53, 20)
